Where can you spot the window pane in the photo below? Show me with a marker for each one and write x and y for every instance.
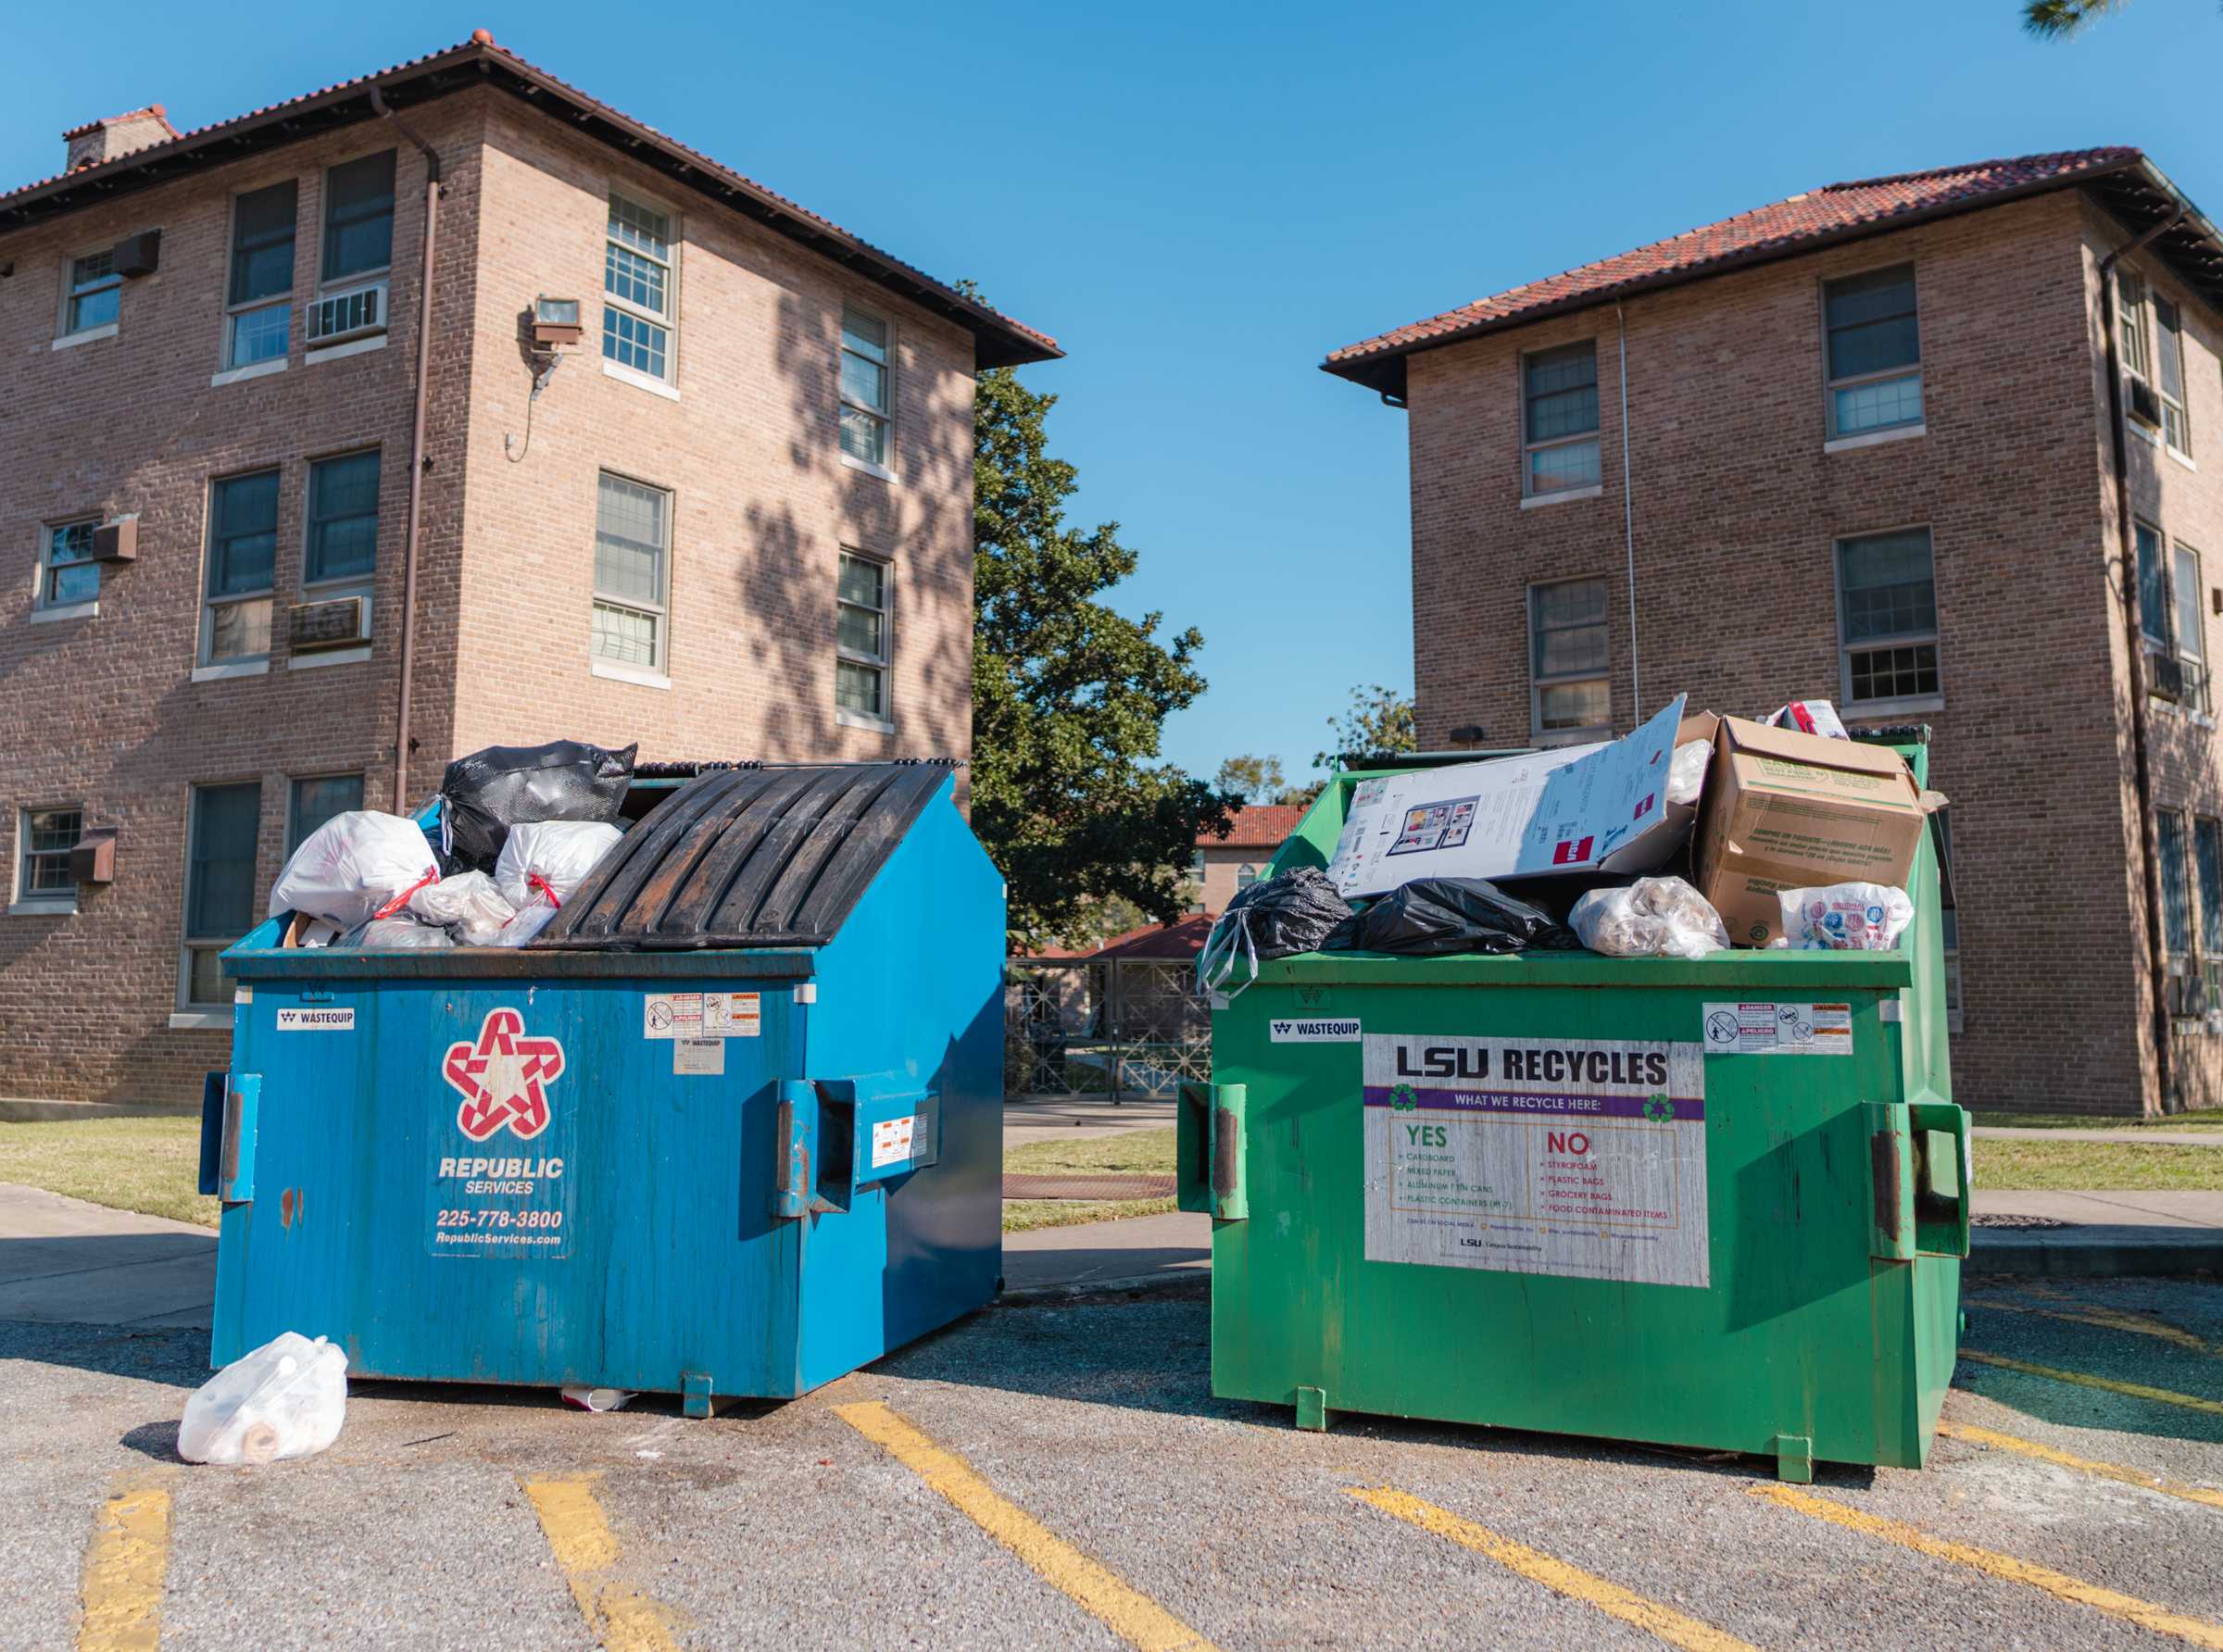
(2176, 900)
(1570, 464)
(632, 278)
(1876, 347)
(1561, 392)
(343, 517)
(863, 436)
(94, 309)
(2207, 845)
(2169, 338)
(1579, 648)
(1561, 706)
(260, 334)
(70, 543)
(631, 342)
(625, 634)
(857, 630)
(857, 688)
(358, 216)
(1871, 322)
(864, 334)
(641, 228)
(1895, 673)
(317, 801)
(2187, 591)
(205, 979)
(1878, 405)
(262, 244)
(245, 539)
(239, 630)
(862, 581)
(2130, 308)
(48, 836)
(220, 887)
(630, 538)
(75, 582)
(1889, 591)
(2153, 588)
(863, 382)
(94, 269)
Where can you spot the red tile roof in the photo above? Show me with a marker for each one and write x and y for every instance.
(1180, 940)
(156, 110)
(1262, 826)
(1835, 212)
(98, 182)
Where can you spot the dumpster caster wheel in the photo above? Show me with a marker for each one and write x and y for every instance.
(1312, 1409)
(1794, 1459)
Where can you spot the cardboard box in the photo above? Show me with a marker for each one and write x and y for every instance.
(1575, 810)
(1783, 809)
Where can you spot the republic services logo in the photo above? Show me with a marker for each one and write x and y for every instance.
(503, 1078)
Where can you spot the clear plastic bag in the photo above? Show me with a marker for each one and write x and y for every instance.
(1687, 771)
(469, 906)
(1651, 918)
(398, 933)
(356, 866)
(1846, 917)
(287, 1398)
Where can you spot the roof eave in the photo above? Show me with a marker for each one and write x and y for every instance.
(1384, 369)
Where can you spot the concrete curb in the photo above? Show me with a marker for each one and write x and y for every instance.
(1166, 1279)
(2109, 1252)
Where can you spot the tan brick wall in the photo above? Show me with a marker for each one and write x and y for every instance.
(1223, 866)
(102, 711)
(1737, 507)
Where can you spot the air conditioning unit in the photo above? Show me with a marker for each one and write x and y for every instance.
(357, 313)
(337, 622)
(117, 541)
(2164, 676)
(2145, 406)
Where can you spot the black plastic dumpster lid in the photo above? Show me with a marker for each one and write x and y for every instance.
(768, 857)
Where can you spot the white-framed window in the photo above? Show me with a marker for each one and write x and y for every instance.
(633, 551)
(637, 289)
(2131, 323)
(864, 639)
(259, 304)
(44, 839)
(358, 219)
(1568, 659)
(1559, 420)
(341, 519)
(2168, 365)
(1873, 344)
(867, 407)
(1245, 875)
(92, 294)
(315, 798)
(68, 575)
(242, 550)
(2168, 617)
(1887, 614)
(220, 831)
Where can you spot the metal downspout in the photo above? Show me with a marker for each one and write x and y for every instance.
(1628, 529)
(2142, 773)
(433, 189)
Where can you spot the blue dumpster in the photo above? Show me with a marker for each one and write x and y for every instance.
(732, 1125)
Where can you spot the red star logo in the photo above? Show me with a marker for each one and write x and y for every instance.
(503, 1078)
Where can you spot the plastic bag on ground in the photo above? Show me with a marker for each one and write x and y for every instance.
(1438, 915)
(1846, 917)
(1272, 918)
(1651, 918)
(398, 933)
(287, 1398)
(483, 796)
(469, 906)
(1687, 771)
(356, 866)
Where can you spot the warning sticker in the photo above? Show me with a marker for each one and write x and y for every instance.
(1778, 1029)
(1313, 1031)
(892, 1139)
(1584, 1158)
(702, 1015)
(315, 1020)
(699, 1057)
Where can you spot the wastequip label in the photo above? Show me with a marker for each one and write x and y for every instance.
(500, 1139)
(1585, 1157)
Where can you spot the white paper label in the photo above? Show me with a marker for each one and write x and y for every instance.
(699, 1057)
(702, 1015)
(1778, 1029)
(892, 1139)
(1584, 1158)
(316, 1021)
(1314, 1031)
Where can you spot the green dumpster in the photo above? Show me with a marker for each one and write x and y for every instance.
(1718, 1203)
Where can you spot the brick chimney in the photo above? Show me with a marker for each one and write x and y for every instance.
(112, 136)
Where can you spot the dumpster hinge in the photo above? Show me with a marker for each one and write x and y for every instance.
(1209, 1156)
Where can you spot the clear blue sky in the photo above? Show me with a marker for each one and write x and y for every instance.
(1201, 201)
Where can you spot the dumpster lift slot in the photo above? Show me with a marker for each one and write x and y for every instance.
(228, 1106)
(1209, 1150)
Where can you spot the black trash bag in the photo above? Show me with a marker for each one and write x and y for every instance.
(1290, 913)
(1438, 915)
(485, 794)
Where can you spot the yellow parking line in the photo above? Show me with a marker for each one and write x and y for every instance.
(2116, 1471)
(2199, 1632)
(2190, 1402)
(2107, 1319)
(1557, 1575)
(123, 1569)
(1129, 1614)
(621, 1617)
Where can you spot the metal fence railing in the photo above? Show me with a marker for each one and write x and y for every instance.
(1113, 1027)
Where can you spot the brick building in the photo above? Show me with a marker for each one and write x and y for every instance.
(1223, 865)
(1864, 444)
(659, 455)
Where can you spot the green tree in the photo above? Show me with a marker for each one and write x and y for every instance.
(1069, 698)
(1379, 720)
(1254, 780)
(2057, 19)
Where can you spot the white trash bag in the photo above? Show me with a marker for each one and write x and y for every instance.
(356, 866)
(469, 906)
(542, 866)
(1845, 917)
(398, 933)
(285, 1399)
(1687, 771)
(1651, 918)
